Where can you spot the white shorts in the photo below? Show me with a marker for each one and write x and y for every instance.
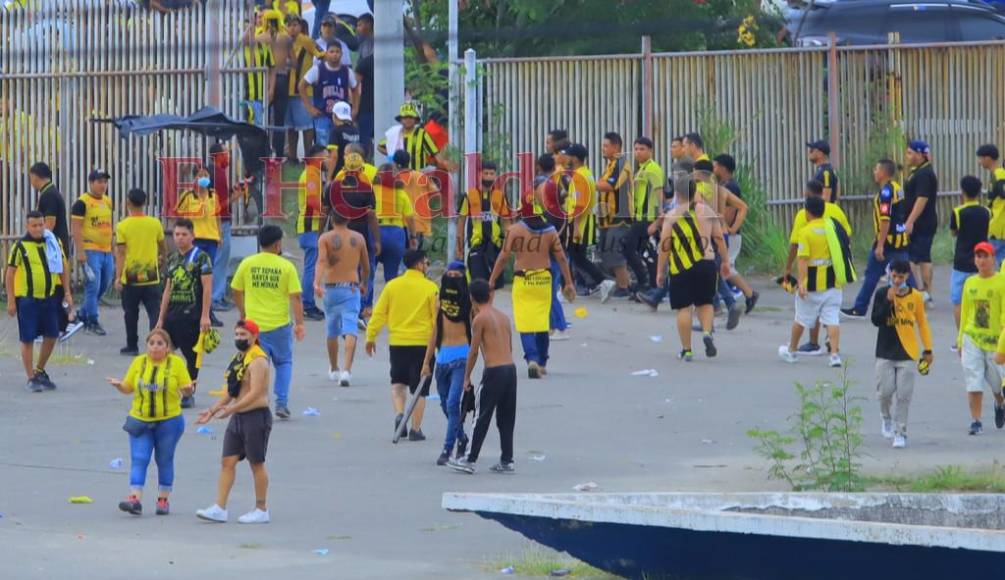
(979, 368)
(733, 245)
(823, 306)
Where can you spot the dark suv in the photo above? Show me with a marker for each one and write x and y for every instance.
(858, 22)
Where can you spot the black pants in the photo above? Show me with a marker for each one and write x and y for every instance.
(64, 316)
(586, 268)
(132, 296)
(635, 242)
(280, 101)
(496, 395)
(184, 333)
(481, 260)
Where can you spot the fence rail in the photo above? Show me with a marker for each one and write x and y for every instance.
(861, 98)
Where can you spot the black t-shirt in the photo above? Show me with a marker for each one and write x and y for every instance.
(970, 222)
(922, 182)
(185, 273)
(354, 199)
(365, 69)
(341, 136)
(52, 203)
(825, 175)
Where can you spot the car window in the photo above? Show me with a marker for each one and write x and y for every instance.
(920, 23)
(866, 21)
(979, 25)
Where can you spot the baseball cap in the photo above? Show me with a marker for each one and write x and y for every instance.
(919, 146)
(456, 265)
(342, 111)
(328, 19)
(98, 174)
(249, 325)
(576, 150)
(820, 145)
(407, 110)
(985, 247)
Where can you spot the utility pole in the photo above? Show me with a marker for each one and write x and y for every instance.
(454, 116)
(389, 60)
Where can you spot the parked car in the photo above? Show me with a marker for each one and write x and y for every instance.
(858, 22)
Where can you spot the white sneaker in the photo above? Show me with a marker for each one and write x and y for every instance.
(71, 329)
(560, 335)
(928, 298)
(256, 516)
(606, 287)
(334, 375)
(561, 298)
(900, 441)
(345, 379)
(835, 361)
(787, 355)
(887, 429)
(213, 513)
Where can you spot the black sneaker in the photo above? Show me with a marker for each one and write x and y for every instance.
(163, 508)
(646, 299)
(34, 386)
(976, 428)
(129, 351)
(462, 447)
(314, 314)
(752, 302)
(282, 412)
(131, 505)
(96, 329)
(710, 350)
(188, 402)
(810, 349)
(852, 313)
(416, 435)
(42, 378)
(733, 318)
(503, 468)
(444, 457)
(214, 321)
(686, 355)
(999, 416)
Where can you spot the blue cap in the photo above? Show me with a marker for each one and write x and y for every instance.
(919, 146)
(456, 265)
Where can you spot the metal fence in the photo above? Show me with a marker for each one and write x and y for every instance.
(774, 100)
(73, 61)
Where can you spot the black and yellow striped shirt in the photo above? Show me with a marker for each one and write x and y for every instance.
(996, 201)
(888, 205)
(420, 147)
(32, 277)
(686, 247)
(615, 206)
(257, 55)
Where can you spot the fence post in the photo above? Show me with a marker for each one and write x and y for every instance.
(214, 55)
(833, 100)
(647, 86)
(472, 123)
(454, 115)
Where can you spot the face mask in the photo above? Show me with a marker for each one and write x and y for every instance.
(487, 183)
(242, 344)
(203, 182)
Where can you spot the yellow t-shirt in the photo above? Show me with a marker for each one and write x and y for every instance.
(157, 387)
(309, 200)
(814, 248)
(204, 213)
(142, 236)
(996, 194)
(96, 217)
(267, 281)
(831, 210)
(420, 188)
(32, 277)
(981, 312)
(395, 212)
(584, 201)
(408, 307)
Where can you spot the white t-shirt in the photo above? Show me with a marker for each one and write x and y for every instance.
(346, 55)
(312, 75)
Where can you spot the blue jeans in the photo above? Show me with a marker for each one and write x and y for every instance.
(366, 122)
(392, 251)
(157, 438)
(103, 266)
(257, 112)
(557, 319)
(368, 299)
(221, 263)
(450, 385)
(323, 126)
(660, 293)
(535, 347)
(874, 270)
(999, 246)
(208, 246)
(320, 11)
(309, 244)
(278, 344)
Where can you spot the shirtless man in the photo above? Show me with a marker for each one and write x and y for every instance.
(247, 435)
(534, 241)
(450, 345)
(341, 255)
(491, 333)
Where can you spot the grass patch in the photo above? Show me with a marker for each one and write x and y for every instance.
(536, 562)
(950, 478)
(64, 356)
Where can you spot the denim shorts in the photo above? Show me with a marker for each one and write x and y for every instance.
(956, 281)
(37, 317)
(341, 309)
(297, 116)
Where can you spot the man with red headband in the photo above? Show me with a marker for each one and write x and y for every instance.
(247, 404)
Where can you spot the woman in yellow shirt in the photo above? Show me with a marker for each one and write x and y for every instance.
(202, 207)
(157, 381)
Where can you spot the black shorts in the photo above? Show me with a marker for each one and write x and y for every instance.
(406, 367)
(247, 435)
(694, 287)
(919, 250)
